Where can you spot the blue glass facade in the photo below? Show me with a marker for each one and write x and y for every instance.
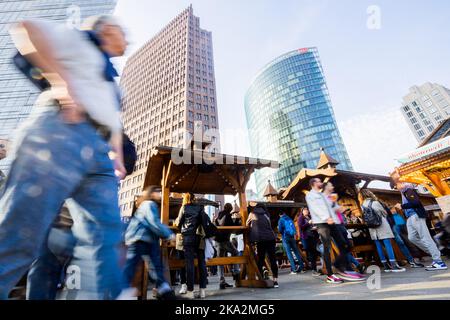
(290, 117)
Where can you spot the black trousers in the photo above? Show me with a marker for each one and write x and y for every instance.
(267, 248)
(326, 233)
(310, 246)
(190, 251)
(182, 272)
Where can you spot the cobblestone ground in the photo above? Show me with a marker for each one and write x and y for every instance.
(414, 284)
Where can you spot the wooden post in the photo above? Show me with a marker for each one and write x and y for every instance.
(251, 269)
(440, 186)
(165, 193)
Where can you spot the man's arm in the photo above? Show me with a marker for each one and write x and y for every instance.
(250, 218)
(117, 148)
(152, 218)
(35, 42)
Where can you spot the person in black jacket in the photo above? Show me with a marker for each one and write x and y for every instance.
(190, 219)
(261, 233)
(223, 243)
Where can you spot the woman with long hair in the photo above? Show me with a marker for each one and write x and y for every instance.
(309, 238)
(382, 234)
(189, 222)
(142, 238)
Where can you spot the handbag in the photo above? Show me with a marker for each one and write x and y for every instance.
(208, 227)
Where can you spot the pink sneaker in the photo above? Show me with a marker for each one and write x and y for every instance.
(334, 279)
(351, 276)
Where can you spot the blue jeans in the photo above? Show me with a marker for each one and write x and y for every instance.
(223, 248)
(47, 271)
(291, 245)
(150, 253)
(401, 244)
(56, 161)
(388, 246)
(310, 246)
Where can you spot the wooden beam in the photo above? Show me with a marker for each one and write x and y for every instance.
(247, 177)
(228, 178)
(178, 178)
(440, 186)
(219, 261)
(165, 205)
(165, 192)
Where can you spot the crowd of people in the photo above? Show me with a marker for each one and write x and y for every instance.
(59, 201)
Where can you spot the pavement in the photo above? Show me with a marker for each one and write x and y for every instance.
(413, 284)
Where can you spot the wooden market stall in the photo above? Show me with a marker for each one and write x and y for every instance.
(347, 183)
(429, 164)
(347, 186)
(201, 172)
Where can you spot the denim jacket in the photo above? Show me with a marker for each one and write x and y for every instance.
(146, 225)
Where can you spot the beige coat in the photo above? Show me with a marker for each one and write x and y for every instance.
(384, 231)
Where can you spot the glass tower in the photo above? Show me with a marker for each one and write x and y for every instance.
(17, 94)
(290, 117)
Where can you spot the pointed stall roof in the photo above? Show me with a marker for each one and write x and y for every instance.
(203, 172)
(326, 161)
(270, 190)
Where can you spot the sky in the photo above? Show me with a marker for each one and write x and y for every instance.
(370, 60)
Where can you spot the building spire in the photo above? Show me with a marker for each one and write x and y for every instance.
(326, 161)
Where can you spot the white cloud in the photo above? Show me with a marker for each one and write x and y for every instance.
(374, 140)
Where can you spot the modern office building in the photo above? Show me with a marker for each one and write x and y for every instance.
(17, 95)
(290, 117)
(425, 107)
(169, 88)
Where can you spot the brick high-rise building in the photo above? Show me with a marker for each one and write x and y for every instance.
(169, 88)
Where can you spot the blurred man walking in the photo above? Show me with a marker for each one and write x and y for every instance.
(63, 153)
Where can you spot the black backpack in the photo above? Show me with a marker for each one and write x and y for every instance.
(371, 218)
(129, 154)
(208, 227)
